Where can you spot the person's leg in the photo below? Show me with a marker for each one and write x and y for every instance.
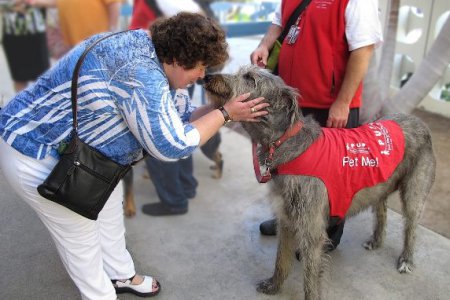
(117, 261)
(320, 115)
(335, 228)
(187, 177)
(353, 118)
(76, 238)
(166, 179)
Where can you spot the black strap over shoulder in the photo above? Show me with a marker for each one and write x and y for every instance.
(292, 19)
(76, 74)
(74, 85)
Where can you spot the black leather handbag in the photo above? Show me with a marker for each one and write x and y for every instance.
(84, 178)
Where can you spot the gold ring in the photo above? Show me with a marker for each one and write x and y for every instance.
(253, 110)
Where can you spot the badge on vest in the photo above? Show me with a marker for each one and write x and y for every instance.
(292, 36)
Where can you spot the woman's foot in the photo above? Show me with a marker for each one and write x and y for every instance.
(142, 286)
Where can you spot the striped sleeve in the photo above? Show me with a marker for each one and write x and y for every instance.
(154, 120)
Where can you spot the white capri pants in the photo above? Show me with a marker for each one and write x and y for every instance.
(93, 252)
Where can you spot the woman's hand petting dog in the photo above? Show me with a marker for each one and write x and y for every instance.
(248, 111)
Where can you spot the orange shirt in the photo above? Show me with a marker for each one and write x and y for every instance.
(80, 19)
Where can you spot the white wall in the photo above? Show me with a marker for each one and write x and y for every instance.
(419, 24)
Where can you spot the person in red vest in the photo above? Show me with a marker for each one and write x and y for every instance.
(325, 58)
(146, 11)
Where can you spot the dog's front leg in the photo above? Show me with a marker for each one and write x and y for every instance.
(283, 263)
(313, 256)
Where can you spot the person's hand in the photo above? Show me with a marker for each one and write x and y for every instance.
(247, 111)
(338, 115)
(259, 56)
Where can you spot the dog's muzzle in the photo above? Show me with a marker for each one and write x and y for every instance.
(205, 79)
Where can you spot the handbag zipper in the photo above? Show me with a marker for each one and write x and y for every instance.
(99, 176)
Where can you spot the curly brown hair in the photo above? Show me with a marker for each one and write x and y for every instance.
(189, 39)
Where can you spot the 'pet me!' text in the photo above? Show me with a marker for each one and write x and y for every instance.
(356, 162)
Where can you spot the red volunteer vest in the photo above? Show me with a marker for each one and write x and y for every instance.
(315, 64)
(348, 160)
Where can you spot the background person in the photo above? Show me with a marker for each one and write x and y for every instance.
(125, 105)
(80, 19)
(326, 62)
(24, 42)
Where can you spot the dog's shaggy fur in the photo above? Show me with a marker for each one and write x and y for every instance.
(304, 212)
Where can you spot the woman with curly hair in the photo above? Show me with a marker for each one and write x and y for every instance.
(125, 105)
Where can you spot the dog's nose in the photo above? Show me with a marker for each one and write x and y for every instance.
(207, 78)
(200, 81)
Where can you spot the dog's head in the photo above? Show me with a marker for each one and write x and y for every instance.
(283, 109)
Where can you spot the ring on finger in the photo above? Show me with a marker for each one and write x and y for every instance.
(253, 110)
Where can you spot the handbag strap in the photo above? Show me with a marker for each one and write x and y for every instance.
(292, 19)
(76, 73)
(74, 86)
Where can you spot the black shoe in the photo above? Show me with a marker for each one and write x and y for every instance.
(162, 209)
(191, 195)
(268, 227)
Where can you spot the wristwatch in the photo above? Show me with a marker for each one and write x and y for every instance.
(226, 116)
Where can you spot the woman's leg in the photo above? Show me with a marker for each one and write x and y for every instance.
(117, 261)
(77, 239)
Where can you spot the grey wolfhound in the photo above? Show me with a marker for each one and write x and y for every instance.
(304, 209)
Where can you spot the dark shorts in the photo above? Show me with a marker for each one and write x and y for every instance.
(321, 116)
(27, 55)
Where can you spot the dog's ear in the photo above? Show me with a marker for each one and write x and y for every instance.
(289, 97)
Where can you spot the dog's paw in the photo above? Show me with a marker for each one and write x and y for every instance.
(218, 169)
(129, 207)
(130, 212)
(267, 287)
(404, 265)
(371, 245)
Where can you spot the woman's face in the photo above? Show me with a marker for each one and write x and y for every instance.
(180, 78)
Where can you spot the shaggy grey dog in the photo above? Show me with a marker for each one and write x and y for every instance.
(304, 212)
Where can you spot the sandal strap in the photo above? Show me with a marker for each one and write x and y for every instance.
(129, 280)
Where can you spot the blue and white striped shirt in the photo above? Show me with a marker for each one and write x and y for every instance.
(124, 105)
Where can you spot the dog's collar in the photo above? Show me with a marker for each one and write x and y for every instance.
(290, 132)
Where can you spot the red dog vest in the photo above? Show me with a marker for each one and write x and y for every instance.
(348, 160)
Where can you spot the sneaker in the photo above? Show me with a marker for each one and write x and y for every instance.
(144, 289)
(268, 227)
(162, 209)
